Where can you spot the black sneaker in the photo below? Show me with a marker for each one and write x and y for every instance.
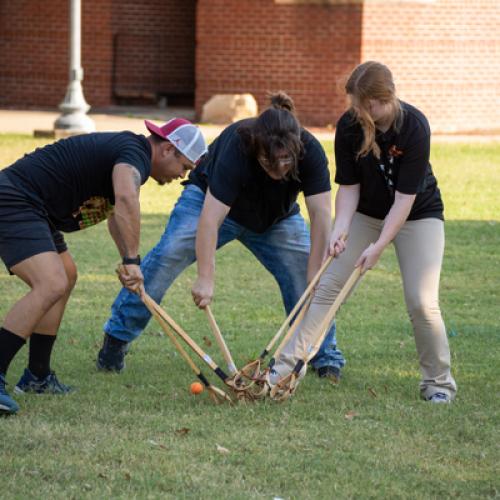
(111, 357)
(332, 372)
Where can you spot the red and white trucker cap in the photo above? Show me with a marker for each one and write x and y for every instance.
(186, 137)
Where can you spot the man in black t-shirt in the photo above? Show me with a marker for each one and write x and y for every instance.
(245, 189)
(67, 186)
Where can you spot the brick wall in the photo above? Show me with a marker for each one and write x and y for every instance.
(154, 46)
(97, 50)
(23, 42)
(445, 54)
(149, 44)
(34, 52)
(258, 46)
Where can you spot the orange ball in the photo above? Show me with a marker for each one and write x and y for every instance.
(196, 388)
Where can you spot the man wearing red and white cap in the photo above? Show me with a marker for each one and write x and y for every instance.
(183, 135)
(64, 187)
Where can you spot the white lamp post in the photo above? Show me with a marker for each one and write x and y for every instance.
(74, 118)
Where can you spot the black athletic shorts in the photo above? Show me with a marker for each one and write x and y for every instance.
(24, 228)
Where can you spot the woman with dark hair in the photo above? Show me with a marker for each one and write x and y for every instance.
(387, 194)
(246, 189)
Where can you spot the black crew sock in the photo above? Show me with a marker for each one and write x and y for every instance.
(40, 352)
(10, 343)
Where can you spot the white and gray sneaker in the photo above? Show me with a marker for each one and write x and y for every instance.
(439, 398)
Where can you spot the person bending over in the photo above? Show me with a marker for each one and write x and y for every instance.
(64, 187)
(244, 189)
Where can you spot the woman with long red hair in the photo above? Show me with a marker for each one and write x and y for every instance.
(387, 194)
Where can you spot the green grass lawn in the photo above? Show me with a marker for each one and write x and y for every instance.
(142, 435)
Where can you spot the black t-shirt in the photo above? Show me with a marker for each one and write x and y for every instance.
(257, 201)
(403, 166)
(70, 181)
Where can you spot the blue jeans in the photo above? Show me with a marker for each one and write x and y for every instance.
(283, 250)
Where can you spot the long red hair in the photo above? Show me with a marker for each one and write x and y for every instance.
(371, 80)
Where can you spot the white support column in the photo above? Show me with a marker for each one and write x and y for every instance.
(74, 118)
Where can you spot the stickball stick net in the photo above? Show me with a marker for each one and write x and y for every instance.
(285, 387)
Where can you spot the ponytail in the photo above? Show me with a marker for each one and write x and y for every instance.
(281, 100)
(275, 130)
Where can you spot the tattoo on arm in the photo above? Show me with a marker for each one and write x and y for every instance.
(136, 176)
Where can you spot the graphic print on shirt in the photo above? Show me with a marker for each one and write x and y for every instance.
(93, 211)
(387, 170)
(394, 152)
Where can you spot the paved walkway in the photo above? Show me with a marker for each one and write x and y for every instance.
(109, 119)
(132, 118)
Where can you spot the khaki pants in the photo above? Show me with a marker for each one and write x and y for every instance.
(419, 249)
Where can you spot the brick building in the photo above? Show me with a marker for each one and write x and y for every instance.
(445, 54)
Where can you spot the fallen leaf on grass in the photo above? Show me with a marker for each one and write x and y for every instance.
(102, 475)
(222, 450)
(207, 341)
(183, 431)
(372, 392)
(350, 415)
(154, 443)
(401, 345)
(127, 475)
